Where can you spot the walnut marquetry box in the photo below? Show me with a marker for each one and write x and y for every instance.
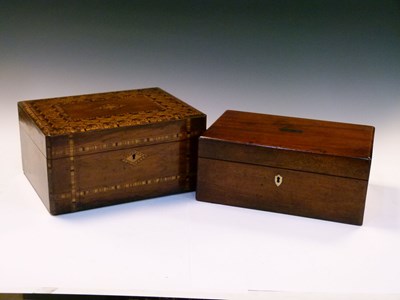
(289, 165)
(88, 151)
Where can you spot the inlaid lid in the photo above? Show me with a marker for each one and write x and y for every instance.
(93, 123)
(68, 115)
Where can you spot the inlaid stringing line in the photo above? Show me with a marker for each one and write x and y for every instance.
(72, 168)
(188, 144)
(133, 142)
(103, 189)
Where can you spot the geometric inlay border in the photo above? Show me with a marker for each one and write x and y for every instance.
(52, 119)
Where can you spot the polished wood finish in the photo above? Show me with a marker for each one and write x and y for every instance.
(323, 166)
(87, 151)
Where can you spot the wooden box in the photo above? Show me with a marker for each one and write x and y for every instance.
(303, 167)
(88, 151)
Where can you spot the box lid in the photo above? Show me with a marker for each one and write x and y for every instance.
(332, 148)
(104, 121)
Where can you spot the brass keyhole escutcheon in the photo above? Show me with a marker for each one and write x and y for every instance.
(278, 180)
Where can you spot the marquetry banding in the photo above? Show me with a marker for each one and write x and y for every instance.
(72, 169)
(127, 185)
(187, 144)
(134, 143)
(53, 120)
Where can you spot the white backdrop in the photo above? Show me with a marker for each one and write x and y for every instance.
(336, 62)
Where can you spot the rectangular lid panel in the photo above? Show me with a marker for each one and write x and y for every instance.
(330, 148)
(295, 134)
(93, 112)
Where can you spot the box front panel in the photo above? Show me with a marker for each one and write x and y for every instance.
(286, 159)
(281, 190)
(111, 177)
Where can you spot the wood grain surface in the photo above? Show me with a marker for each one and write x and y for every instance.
(323, 167)
(87, 151)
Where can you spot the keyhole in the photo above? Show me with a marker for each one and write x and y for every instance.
(278, 180)
(134, 158)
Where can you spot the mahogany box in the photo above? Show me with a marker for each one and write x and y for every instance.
(88, 151)
(297, 166)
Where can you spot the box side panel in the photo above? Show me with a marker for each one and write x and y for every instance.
(28, 125)
(281, 158)
(35, 166)
(112, 177)
(297, 193)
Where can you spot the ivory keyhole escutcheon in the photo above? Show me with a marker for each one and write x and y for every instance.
(278, 180)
